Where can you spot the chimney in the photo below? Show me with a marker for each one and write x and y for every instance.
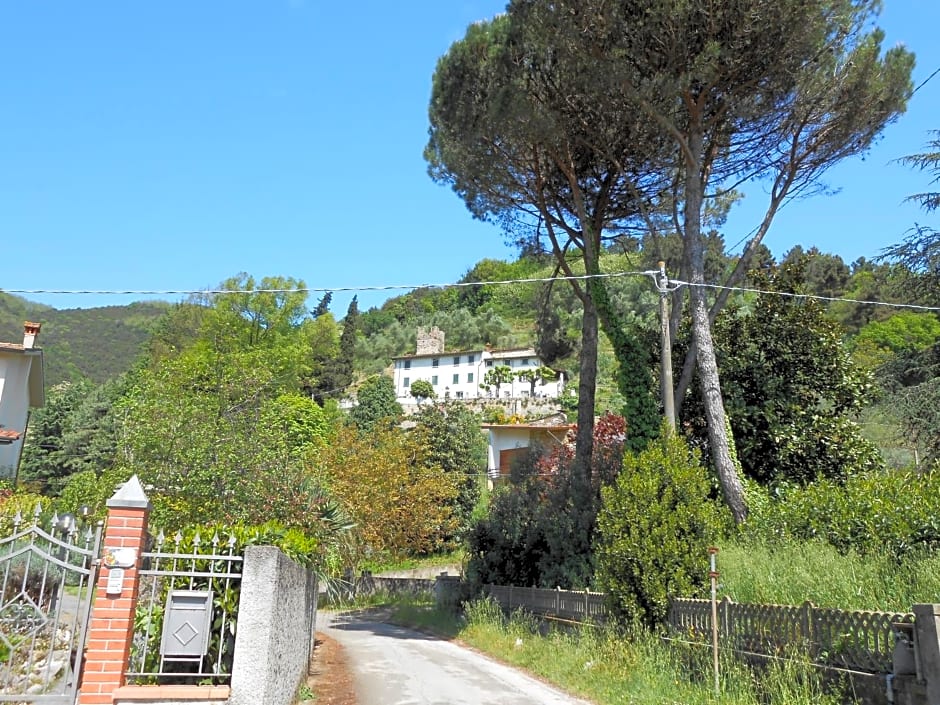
(30, 331)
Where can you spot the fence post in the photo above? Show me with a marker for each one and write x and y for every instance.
(111, 629)
(725, 621)
(808, 626)
(927, 635)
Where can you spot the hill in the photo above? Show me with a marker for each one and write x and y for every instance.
(95, 343)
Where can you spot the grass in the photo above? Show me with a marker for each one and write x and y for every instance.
(791, 573)
(610, 667)
(440, 560)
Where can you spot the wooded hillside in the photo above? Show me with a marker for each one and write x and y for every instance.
(93, 343)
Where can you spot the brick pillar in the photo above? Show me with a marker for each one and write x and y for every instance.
(111, 628)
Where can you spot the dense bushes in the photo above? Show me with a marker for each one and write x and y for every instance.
(540, 527)
(654, 530)
(877, 512)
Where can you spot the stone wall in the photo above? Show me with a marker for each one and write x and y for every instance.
(276, 621)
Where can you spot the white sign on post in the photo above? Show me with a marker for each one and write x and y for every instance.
(115, 581)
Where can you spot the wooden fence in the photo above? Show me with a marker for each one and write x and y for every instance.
(576, 606)
(854, 640)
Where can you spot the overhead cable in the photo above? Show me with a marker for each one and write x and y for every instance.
(674, 284)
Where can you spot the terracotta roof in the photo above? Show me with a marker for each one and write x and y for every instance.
(9, 436)
(521, 352)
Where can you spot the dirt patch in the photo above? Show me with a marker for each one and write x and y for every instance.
(330, 679)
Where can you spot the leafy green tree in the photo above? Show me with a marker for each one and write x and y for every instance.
(376, 403)
(576, 115)
(511, 147)
(239, 430)
(454, 442)
(823, 274)
(47, 458)
(537, 375)
(323, 305)
(337, 373)
(654, 529)
(903, 334)
(919, 400)
(496, 377)
(791, 388)
(90, 439)
(422, 390)
(920, 251)
(402, 504)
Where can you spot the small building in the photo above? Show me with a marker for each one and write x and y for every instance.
(459, 374)
(508, 442)
(21, 389)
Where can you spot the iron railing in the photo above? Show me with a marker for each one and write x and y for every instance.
(46, 585)
(212, 566)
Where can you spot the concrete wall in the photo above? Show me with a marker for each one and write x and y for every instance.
(276, 622)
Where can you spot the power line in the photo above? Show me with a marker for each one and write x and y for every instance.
(451, 285)
(806, 296)
(926, 80)
(324, 289)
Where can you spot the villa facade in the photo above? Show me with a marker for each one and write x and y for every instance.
(459, 374)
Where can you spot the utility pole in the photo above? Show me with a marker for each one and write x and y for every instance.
(665, 377)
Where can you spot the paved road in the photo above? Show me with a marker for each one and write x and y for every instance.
(397, 666)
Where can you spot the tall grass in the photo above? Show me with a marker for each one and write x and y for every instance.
(610, 667)
(793, 572)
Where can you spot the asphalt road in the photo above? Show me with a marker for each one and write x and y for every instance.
(397, 666)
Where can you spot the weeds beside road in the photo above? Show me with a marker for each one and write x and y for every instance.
(609, 667)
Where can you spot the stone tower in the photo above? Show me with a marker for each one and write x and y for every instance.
(430, 342)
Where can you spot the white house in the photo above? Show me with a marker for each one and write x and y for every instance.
(458, 374)
(507, 442)
(21, 388)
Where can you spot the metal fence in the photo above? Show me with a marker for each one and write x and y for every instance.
(179, 575)
(46, 583)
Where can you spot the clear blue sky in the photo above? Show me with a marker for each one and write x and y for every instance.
(172, 144)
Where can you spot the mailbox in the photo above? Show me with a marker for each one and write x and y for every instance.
(186, 625)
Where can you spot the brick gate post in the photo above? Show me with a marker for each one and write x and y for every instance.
(111, 628)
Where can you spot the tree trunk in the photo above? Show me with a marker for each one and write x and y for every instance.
(702, 337)
(587, 386)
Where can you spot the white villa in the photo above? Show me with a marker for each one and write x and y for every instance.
(458, 374)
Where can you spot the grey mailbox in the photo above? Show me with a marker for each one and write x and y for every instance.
(186, 625)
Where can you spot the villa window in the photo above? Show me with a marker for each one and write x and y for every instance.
(407, 364)
(456, 359)
(434, 380)
(469, 376)
(470, 359)
(435, 362)
(456, 379)
(407, 381)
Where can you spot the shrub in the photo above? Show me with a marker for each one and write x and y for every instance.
(655, 526)
(876, 512)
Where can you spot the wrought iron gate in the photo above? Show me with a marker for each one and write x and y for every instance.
(46, 587)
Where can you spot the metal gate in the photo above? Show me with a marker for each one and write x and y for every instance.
(46, 585)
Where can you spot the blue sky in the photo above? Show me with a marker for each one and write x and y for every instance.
(172, 144)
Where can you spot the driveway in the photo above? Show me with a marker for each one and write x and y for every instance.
(397, 666)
